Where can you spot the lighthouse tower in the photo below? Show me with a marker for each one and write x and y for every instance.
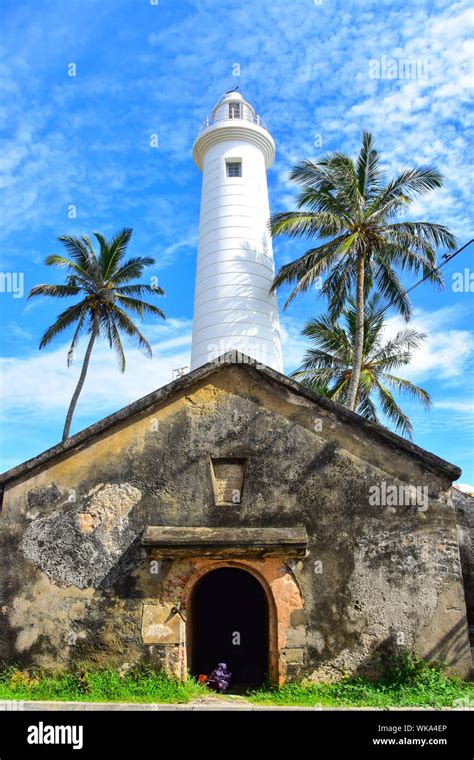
(233, 307)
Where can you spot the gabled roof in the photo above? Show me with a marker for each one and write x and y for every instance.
(373, 430)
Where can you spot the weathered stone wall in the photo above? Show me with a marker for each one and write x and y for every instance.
(77, 584)
(464, 506)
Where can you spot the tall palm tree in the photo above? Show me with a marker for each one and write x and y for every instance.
(354, 210)
(328, 365)
(103, 281)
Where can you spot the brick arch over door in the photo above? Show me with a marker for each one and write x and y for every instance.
(281, 590)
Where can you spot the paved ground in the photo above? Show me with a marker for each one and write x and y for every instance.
(207, 704)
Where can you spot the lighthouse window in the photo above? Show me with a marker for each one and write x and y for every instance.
(235, 111)
(234, 168)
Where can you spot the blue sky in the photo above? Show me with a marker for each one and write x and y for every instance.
(144, 69)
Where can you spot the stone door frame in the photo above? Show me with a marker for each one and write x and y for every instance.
(186, 601)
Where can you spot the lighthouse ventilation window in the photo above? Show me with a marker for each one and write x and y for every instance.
(235, 111)
(234, 168)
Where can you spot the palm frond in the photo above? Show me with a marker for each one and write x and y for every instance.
(313, 385)
(64, 263)
(340, 386)
(140, 307)
(401, 384)
(125, 324)
(330, 336)
(366, 408)
(115, 252)
(116, 343)
(308, 268)
(402, 190)
(64, 320)
(337, 286)
(77, 250)
(368, 172)
(311, 174)
(328, 361)
(434, 234)
(345, 185)
(391, 287)
(325, 201)
(398, 350)
(104, 251)
(393, 412)
(56, 291)
(416, 256)
(305, 224)
(139, 289)
(312, 377)
(132, 269)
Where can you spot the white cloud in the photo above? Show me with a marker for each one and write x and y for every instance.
(465, 488)
(446, 354)
(423, 121)
(456, 406)
(447, 350)
(41, 383)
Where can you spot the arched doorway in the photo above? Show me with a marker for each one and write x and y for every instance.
(230, 623)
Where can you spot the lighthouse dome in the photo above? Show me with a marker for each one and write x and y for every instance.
(232, 105)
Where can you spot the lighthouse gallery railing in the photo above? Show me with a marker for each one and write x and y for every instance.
(254, 118)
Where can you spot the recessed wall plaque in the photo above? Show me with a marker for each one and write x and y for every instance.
(227, 480)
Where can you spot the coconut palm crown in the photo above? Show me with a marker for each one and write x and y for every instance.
(352, 208)
(327, 366)
(108, 296)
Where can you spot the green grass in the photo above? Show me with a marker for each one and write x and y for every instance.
(407, 683)
(97, 685)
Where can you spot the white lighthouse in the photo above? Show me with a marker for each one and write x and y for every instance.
(233, 307)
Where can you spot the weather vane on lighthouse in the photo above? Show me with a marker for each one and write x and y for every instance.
(233, 306)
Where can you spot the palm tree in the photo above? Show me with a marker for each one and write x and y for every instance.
(353, 209)
(328, 366)
(103, 281)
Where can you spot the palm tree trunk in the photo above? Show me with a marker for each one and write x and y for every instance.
(359, 335)
(82, 377)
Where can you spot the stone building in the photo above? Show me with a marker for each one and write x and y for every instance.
(232, 515)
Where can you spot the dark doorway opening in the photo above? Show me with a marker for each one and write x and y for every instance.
(229, 620)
